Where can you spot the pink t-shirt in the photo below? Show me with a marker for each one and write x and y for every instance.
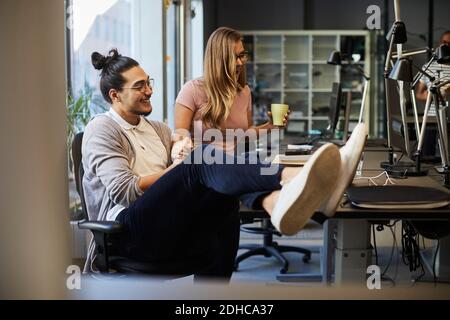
(193, 96)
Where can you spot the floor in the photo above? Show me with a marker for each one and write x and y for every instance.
(259, 269)
(264, 270)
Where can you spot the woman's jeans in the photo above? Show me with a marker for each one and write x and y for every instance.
(193, 209)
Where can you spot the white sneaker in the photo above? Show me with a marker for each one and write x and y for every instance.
(302, 196)
(350, 157)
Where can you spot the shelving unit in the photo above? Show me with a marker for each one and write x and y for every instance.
(291, 67)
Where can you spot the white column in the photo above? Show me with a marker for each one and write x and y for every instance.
(197, 39)
(147, 47)
(34, 222)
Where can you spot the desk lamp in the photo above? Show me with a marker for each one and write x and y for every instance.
(336, 59)
(412, 87)
(403, 71)
(396, 35)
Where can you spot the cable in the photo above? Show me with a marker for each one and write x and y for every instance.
(375, 244)
(394, 246)
(392, 252)
(379, 228)
(434, 262)
(410, 246)
(422, 274)
(372, 179)
(397, 250)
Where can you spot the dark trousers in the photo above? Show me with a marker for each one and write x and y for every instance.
(193, 209)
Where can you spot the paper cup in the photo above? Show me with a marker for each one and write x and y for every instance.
(278, 112)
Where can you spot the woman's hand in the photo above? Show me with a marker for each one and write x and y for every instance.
(285, 119)
(181, 149)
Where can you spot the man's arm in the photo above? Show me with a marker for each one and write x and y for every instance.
(145, 182)
(106, 157)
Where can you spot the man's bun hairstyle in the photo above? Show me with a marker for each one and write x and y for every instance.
(112, 66)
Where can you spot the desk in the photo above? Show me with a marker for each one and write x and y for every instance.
(352, 250)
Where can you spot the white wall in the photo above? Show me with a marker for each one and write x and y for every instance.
(34, 226)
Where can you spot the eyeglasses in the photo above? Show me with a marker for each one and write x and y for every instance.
(142, 85)
(242, 56)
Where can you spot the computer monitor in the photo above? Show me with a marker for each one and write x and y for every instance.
(335, 108)
(396, 127)
(333, 117)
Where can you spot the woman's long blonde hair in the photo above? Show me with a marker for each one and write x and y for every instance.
(220, 79)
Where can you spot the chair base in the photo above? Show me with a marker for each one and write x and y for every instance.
(272, 250)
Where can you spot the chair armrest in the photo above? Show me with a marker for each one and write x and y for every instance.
(101, 231)
(108, 227)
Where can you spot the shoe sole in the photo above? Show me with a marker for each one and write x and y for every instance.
(350, 157)
(304, 194)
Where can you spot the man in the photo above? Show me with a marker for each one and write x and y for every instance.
(440, 71)
(180, 210)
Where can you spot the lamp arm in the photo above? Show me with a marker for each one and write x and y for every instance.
(419, 75)
(423, 72)
(363, 101)
(442, 84)
(389, 56)
(359, 69)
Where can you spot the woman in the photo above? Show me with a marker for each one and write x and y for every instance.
(221, 99)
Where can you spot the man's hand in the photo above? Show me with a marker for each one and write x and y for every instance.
(445, 90)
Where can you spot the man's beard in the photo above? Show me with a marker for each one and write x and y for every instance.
(144, 113)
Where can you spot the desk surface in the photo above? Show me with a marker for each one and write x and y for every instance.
(371, 168)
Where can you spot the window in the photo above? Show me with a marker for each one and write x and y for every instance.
(134, 27)
(95, 29)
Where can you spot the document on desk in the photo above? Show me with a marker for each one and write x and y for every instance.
(305, 147)
(295, 160)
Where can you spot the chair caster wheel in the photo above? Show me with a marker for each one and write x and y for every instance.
(306, 258)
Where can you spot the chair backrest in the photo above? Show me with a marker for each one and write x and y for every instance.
(79, 170)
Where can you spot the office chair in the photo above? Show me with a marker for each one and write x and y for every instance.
(268, 248)
(105, 234)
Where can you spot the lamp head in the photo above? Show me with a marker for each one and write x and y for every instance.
(398, 32)
(402, 70)
(443, 54)
(335, 58)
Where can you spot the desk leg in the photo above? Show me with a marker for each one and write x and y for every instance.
(443, 264)
(353, 251)
(326, 260)
(329, 229)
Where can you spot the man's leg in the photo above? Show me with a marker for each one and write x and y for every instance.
(231, 177)
(167, 221)
(222, 233)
